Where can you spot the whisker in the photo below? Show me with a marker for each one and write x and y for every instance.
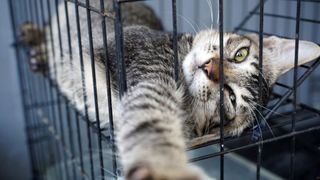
(280, 114)
(218, 15)
(256, 119)
(265, 121)
(264, 79)
(189, 22)
(211, 11)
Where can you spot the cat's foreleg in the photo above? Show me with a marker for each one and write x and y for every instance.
(149, 136)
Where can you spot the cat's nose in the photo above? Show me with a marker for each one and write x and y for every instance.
(209, 68)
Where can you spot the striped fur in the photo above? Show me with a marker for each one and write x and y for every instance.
(155, 117)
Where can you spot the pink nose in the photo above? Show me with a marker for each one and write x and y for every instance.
(210, 69)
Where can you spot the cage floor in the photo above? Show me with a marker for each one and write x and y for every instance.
(236, 167)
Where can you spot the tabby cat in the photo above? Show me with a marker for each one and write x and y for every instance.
(156, 117)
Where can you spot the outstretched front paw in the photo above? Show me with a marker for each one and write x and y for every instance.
(146, 172)
(38, 59)
(31, 34)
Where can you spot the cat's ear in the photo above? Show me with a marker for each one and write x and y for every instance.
(279, 53)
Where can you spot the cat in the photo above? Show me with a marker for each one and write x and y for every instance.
(156, 118)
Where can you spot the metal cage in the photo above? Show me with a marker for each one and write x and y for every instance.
(64, 144)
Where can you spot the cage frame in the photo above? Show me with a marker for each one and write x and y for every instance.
(35, 111)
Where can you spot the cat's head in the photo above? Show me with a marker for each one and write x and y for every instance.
(241, 75)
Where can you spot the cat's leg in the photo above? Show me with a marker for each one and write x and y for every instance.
(149, 135)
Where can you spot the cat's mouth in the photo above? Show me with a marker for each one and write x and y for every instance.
(226, 122)
(214, 127)
(229, 97)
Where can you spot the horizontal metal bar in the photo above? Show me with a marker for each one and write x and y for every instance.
(40, 104)
(93, 9)
(287, 17)
(283, 85)
(129, 1)
(305, 66)
(264, 33)
(312, 1)
(256, 144)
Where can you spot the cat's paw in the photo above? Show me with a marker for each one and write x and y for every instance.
(145, 172)
(38, 59)
(31, 34)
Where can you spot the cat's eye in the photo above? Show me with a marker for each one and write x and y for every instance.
(233, 98)
(241, 54)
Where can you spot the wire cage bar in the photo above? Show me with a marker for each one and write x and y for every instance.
(221, 89)
(65, 144)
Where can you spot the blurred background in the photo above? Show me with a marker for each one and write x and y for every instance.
(192, 15)
(14, 157)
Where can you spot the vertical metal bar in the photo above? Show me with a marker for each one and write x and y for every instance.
(47, 85)
(49, 70)
(175, 40)
(79, 143)
(109, 96)
(71, 139)
(63, 144)
(39, 97)
(33, 101)
(58, 96)
(22, 84)
(261, 21)
(59, 146)
(31, 116)
(121, 72)
(33, 119)
(295, 78)
(59, 159)
(62, 136)
(96, 104)
(68, 28)
(58, 26)
(84, 88)
(23, 88)
(43, 77)
(50, 29)
(221, 88)
(56, 155)
(46, 53)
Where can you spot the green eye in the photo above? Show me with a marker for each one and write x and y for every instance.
(241, 54)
